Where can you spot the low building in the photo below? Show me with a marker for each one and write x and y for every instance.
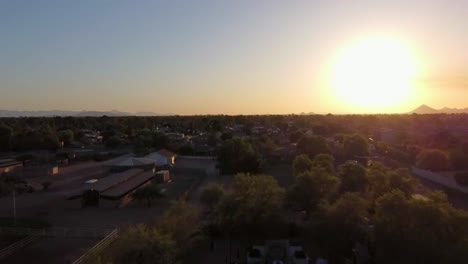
(134, 163)
(9, 166)
(114, 190)
(163, 158)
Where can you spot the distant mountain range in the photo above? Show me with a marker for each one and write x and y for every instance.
(11, 113)
(424, 109)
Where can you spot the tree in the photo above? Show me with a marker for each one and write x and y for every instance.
(301, 164)
(409, 230)
(401, 179)
(237, 155)
(312, 146)
(378, 179)
(50, 141)
(432, 159)
(355, 146)
(382, 180)
(148, 194)
(295, 136)
(160, 140)
(143, 244)
(212, 194)
(310, 188)
(186, 149)
(226, 136)
(353, 177)
(458, 159)
(180, 221)
(6, 136)
(113, 142)
(324, 161)
(252, 207)
(341, 224)
(65, 135)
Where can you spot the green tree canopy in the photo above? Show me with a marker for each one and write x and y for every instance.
(324, 161)
(212, 194)
(310, 188)
(342, 223)
(113, 142)
(353, 177)
(237, 155)
(409, 230)
(432, 159)
(301, 164)
(65, 135)
(312, 146)
(295, 136)
(180, 221)
(355, 146)
(252, 206)
(383, 180)
(143, 244)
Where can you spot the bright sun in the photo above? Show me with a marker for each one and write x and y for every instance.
(375, 74)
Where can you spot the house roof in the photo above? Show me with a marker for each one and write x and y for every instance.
(130, 162)
(166, 153)
(8, 163)
(127, 186)
(112, 180)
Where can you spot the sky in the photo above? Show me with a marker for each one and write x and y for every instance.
(218, 57)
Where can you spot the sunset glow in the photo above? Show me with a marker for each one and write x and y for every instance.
(375, 74)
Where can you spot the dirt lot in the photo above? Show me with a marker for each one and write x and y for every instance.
(54, 208)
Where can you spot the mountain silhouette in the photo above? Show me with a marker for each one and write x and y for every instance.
(424, 109)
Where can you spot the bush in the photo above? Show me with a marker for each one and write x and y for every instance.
(211, 195)
(433, 159)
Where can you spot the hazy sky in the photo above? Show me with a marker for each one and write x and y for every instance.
(207, 57)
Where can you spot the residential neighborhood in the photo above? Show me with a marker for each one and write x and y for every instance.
(132, 175)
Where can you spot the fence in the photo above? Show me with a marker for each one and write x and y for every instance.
(101, 245)
(5, 252)
(57, 232)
